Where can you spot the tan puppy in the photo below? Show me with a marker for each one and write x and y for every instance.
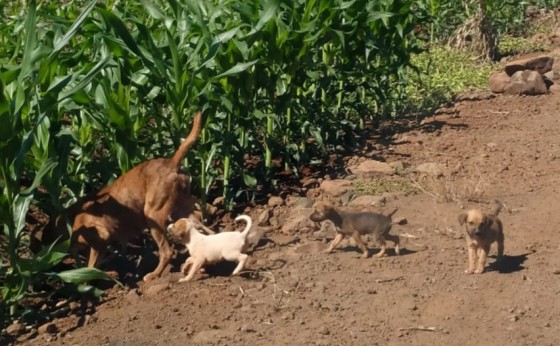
(143, 198)
(482, 230)
(355, 224)
(209, 249)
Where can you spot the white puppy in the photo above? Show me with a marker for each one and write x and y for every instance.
(208, 249)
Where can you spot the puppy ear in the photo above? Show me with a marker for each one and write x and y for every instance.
(462, 218)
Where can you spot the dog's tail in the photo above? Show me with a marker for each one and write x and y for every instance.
(497, 208)
(189, 141)
(249, 222)
(392, 212)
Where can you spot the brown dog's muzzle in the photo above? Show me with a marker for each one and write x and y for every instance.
(316, 216)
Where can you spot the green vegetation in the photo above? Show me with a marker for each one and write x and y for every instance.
(88, 89)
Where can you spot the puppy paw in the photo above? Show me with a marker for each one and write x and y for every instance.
(479, 271)
(469, 271)
(150, 277)
(327, 251)
(185, 279)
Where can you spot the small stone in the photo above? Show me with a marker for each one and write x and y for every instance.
(324, 330)
(15, 329)
(275, 201)
(430, 168)
(263, 217)
(246, 329)
(336, 187)
(156, 289)
(513, 318)
(372, 168)
(49, 328)
(556, 272)
(304, 202)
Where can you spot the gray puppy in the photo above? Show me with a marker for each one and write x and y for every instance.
(355, 224)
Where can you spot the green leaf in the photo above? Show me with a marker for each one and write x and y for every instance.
(81, 275)
(240, 67)
(249, 180)
(60, 43)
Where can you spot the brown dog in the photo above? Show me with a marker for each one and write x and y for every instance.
(355, 225)
(142, 198)
(482, 230)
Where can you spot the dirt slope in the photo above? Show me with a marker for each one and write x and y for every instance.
(505, 147)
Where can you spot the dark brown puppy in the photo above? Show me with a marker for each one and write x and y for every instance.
(355, 224)
(143, 198)
(482, 230)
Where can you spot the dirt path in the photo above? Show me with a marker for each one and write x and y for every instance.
(507, 147)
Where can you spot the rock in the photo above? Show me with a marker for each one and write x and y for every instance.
(336, 187)
(554, 89)
(540, 64)
(304, 202)
(372, 168)
(275, 201)
(49, 328)
(297, 221)
(430, 168)
(154, 289)
(263, 217)
(498, 82)
(324, 330)
(347, 197)
(399, 166)
(306, 182)
(132, 296)
(551, 75)
(526, 83)
(368, 200)
(15, 329)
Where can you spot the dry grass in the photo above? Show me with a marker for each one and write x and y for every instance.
(378, 186)
(447, 189)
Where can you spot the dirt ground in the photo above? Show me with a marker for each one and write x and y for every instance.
(506, 147)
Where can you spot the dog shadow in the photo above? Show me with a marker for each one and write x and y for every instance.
(373, 251)
(509, 264)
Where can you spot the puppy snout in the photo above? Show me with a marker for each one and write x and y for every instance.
(315, 216)
(477, 231)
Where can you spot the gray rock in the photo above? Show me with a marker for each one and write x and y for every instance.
(526, 82)
(336, 187)
(498, 82)
(540, 64)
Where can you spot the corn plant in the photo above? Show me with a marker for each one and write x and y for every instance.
(35, 93)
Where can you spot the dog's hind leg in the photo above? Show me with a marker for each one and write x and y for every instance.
(383, 244)
(242, 259)
(500, 242)
(395, 239)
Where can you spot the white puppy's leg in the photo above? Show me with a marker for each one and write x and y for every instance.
(242, 259)
(186, 265)
(196, 265)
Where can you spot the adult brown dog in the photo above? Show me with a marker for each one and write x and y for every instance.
(355, 224)
(143, 198)
(482, 230)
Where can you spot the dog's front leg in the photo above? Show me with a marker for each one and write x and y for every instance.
(165, 253)
(196, 265)
(482, 256)
(186, 265)
(337, 239)
(472, 258)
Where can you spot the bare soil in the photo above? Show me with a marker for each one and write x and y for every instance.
(505, 148)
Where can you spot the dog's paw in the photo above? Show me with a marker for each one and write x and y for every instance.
(469, 271)
(327, 251)
(185, 279)
(150, 277)
(479, 271)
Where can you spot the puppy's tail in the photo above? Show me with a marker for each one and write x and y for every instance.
(392, 213)
(249, 222)
(189, 141)
(497, 208)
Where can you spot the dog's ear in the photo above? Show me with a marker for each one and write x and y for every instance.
(462, 218)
